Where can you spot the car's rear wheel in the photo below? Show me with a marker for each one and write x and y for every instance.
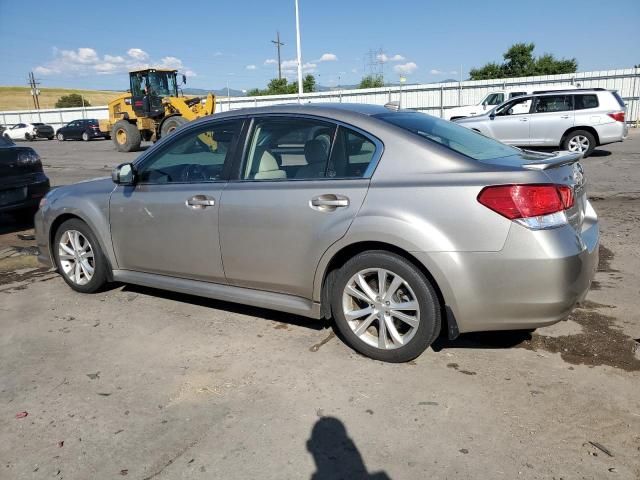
(384, 307)
(28, 137)
(50, 138)
(79, 258)
(579, 141)
(60, 137)
(86, 137)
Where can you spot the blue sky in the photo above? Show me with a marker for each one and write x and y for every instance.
(72, 44)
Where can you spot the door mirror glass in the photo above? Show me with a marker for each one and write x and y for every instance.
(123, 174)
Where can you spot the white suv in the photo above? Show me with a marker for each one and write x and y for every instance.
(575, 120)
(495, 98)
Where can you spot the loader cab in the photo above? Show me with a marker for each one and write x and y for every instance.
(148, 88)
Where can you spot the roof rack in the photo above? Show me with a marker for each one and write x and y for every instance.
(570, 90)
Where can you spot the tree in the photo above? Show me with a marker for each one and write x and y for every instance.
(371, 81)
(519, 61)
(280, 86)
(72, 100)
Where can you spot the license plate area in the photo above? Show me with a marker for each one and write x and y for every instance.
(12, 195)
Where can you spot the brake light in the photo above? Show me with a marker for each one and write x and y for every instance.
(533, 206)
(617, 116)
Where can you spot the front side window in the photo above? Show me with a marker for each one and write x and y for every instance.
(515, 107)
(193, 157)
(455, 137)
(553, 103)
(582, 102)
(494, 99)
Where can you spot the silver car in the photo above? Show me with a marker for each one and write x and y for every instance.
(574, 120)
(395, 224)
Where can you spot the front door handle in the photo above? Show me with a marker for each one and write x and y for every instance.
(524, 120)
(198, 202)
(564, 116)
(329, 202)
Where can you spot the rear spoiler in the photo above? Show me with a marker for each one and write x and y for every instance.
(554, 160)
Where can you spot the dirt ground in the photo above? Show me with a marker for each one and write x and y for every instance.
(146, 384)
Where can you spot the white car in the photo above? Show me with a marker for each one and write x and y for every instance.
(495, 98)
(574, 120)
(29, 131)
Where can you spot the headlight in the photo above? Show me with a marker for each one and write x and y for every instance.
(28, 157)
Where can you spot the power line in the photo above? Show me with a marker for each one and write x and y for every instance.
(278, 44)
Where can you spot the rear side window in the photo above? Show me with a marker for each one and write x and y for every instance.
(351, 155)
(455, 137)
(582, 102)
(553, 103)
(619, 99)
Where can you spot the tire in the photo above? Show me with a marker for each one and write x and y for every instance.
(126, 136)
(579, 141)
(171, 124)
(85, 137)
(60, 137)
(50, 138)
(66, 266)
(414, 290)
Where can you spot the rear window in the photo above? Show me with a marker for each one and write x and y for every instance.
(582, 102)
(457, 138)
(619, 99)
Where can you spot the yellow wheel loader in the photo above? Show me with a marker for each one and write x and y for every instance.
(151, 109)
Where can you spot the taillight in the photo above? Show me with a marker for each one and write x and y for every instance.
(534, 206)
(617, 116)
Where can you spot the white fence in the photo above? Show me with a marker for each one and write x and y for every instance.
(431, 98)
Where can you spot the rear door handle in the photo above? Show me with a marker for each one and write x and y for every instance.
(199, 202)
(329, 202)
(564, 116)
(524, 120)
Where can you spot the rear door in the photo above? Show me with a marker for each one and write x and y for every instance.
(551, 116)
(299, 187)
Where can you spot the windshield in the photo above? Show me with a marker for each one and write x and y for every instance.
(5, 141)
(160, 84)
(455, 137)
(493, 99)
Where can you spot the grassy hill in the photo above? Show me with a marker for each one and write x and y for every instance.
(19, 98)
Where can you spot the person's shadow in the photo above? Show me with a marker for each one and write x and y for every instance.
(335, 454)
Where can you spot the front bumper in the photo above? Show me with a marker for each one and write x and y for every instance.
(534, 281)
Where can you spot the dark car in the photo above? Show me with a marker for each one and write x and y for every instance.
(43, 130)
(22, 180)
(84, 129)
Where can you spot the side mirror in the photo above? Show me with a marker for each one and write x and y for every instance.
(184, 79)
(492, 115)
(124, 174)
(484, 106)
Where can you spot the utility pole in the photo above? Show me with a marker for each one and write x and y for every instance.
(298, 48)
(33, 85)
(278, 44)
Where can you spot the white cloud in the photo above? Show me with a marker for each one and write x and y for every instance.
(384, 58)
(291, 66)
(138, 54)
(87, 61)
(250, 67)
(354, 70)
(327, 57)
(435, 72)
(405, 68)
(270, 61)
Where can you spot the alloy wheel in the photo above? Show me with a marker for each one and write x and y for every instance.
(579, 143)
(76, 257)
(381, 308)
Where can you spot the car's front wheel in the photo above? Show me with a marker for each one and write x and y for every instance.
(384, 307)
(60, 137)
(79, 258)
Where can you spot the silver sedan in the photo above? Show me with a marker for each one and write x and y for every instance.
(395, 224)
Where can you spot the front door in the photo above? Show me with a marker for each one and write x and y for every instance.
(299, 188)
(511, 122)
(168, 222)
(551, 116)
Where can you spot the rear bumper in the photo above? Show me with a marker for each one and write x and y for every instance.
(536, 280)
(35, 189)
